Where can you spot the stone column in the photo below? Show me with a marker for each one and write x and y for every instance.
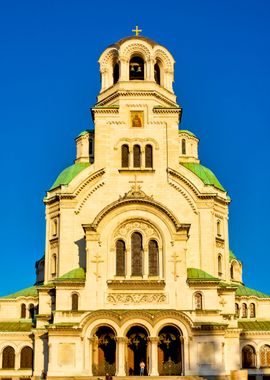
(120, 356)
(89, 357)
(153, 362)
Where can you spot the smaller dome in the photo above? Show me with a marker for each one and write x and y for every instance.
(146, 39)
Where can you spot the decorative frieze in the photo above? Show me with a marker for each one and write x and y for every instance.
(136, 298)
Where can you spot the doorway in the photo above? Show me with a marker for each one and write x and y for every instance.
(137, 350)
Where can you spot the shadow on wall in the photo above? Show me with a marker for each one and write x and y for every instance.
(81, 244)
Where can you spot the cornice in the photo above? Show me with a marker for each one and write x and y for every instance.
(136, 284)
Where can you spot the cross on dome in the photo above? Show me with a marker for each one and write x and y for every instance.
(137, 31)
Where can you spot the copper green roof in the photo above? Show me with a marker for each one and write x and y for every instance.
(232, 255)
(205, 174)
(84, 132)
(254, 325)
(27, 292)
(15, 326)
(243, 291)
(187, 132)
(196, 274)
(74, 274)
(67, 175)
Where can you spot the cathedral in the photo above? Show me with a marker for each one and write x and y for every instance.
(137, 265)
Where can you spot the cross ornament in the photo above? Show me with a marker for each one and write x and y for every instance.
(137, 31)
(175, 260)
(222, 302)
(136, 187)
(97, 260)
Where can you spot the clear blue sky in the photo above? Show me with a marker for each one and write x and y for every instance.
(49, 77)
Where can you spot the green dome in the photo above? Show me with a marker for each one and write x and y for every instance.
(84, 133)
(67, 175)
(248, 292)
(74, 274)
(205, 174)
(27, 292)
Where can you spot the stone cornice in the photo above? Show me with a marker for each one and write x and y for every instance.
(135, 284)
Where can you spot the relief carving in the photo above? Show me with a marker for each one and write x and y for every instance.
(125, 229)
(136, 298)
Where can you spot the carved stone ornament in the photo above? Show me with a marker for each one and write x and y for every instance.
(125, 229)
(136, 298)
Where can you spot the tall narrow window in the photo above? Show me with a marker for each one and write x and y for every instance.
(244, 310)
(53, 263)
(115, 73)
(91, 147)
(157, 73)
(153, 258)
(74, 302)
(265, 356)
(23, 310)
(125, 156)
(237, 310)
(136, 68)
(26, 358)
(120, 258)
(136, 156)
(184, 146)
(198, 301)
(219, 265)
(136, 254)
(252, 310)
(31, 311)
(148, 156)
(218, 228)
(248, 357)
(8, 357)
(232, 272)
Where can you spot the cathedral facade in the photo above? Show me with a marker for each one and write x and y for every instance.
(137, 263)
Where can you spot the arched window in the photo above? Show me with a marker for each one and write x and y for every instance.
(136, 254)
(153, 258)
(184, 150)
(265, 356)
(120, 258)
(91, 147)
(219, 265)
(198, 301)
(218, 228)
(74, 302)
(136, 156)
(31, 311)
(8, 357)
(248, 357)
(26, 358)
(116, 73)
(252, 310)
(232, 272)
(237, 310)
(23, 310)
(136, 68)
(148, 156)
(54, 227)
(157, 73)
(244, 310)
(125, 156)
(53, 271)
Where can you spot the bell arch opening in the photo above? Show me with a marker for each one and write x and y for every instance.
(136, 68)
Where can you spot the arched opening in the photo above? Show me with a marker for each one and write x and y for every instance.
(8, 358)
(136, 68)
(198, 301)
(23, 310)
(248, 357)
(157, 73)
(244, 310)
(31, 311)
(53, 265)
(218, 228)
(26, 358)
(184, 150)
(252, 310)
(148, 156)
(137, 350)
(120, 258)
(153, 258)
(136, 254)
(136, 156)
(116, 73)
(169, 351)
(265, 356)
(232, 271)
(125, 156)
(219, 265)
(237, 310)
(74, 302)
(104, 349)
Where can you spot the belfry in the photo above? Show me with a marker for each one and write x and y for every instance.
(137, 265)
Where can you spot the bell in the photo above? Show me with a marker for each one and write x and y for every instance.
(139, 69)
(132, 68)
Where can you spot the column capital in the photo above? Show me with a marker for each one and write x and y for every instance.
(153, 339)
(121, 339)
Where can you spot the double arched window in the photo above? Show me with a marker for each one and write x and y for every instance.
(137, 157)
(141, 262)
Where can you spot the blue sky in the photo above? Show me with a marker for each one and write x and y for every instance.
(49, 78)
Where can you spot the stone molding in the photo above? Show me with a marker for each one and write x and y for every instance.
(136, 298)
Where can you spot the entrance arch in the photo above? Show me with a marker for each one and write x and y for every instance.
(170, 351)
(137, 350)
(104, 350)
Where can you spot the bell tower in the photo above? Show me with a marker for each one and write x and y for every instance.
(136, 110)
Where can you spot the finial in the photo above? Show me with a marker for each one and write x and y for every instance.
(137, 31)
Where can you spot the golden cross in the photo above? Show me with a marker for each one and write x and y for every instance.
(136, 187)
(137, 31)
(175, 260)
(97, 261)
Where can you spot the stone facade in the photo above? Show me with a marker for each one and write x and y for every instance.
(137, 262)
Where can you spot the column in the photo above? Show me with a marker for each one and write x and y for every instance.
(89, 356)
(120, 356)
(153, 359)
